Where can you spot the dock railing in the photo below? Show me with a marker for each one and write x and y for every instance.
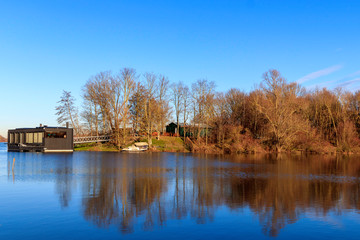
(90, 139)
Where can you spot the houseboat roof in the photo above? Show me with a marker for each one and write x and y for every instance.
(43, 127)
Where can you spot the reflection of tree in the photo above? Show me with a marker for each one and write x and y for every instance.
(205, 195)
(277, 189)
(292, 186)
(63, 173)
(145, 190)
(123, 190)
(180, 206)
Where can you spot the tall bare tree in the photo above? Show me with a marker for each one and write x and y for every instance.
(203, 94)
(137, 108)
(150, 105)
(163, 100)
(66, 110)
(221, 117)
(186, 101)
(177, 99)
(98, 88)
(279, 105)
(127, 82)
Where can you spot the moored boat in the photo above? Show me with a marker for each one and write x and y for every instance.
(137, 147)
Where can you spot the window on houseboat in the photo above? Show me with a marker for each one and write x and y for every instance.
(55, 134)
(17, 138)
(22, 137)
(11, 138)
(29, 137)
(40, 136)
(35, 137)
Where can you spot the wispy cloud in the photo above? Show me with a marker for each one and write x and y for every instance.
(354, 74)
(321, 85)
(347, 83)
(320, 73)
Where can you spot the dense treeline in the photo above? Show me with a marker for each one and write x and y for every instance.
(277, 116)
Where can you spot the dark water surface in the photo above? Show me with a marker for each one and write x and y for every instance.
(88, 195)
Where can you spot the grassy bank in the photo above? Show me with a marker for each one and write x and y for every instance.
(164, 144)
(169, 144)
(176, 144)
(96, 147)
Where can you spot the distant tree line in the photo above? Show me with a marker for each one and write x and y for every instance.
(277, 116)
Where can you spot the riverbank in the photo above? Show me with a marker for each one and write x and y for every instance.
(165, 144)
(245, 145)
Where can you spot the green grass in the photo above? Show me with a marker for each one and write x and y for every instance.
(159, 143)
(164, 144)
(170, 144)
(106, 147)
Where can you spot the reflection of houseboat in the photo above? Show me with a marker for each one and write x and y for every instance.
(137, 147)
(41, 139)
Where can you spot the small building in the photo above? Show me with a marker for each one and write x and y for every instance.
(171, 128)
(191, 129)
(41, 139)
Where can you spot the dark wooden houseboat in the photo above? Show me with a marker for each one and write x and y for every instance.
(41, 139)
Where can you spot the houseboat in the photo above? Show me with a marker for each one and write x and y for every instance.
(41, 139)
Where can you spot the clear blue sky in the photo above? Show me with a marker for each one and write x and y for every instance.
(48, 46)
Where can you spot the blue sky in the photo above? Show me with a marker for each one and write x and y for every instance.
(50, 46)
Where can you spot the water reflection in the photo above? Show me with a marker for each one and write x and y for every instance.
(44, 167)
(117, 191)
(125, 190)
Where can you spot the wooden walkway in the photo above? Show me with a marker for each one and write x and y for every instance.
(90, 139)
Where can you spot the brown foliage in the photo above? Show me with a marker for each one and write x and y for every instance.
(240, 140)
(277, 116)
(2, 139)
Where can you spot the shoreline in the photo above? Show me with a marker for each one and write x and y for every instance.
(202, 149)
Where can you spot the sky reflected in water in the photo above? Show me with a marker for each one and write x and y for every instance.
(167, 195)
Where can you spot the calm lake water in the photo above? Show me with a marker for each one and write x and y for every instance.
(87, 195)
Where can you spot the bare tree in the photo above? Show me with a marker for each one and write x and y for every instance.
(279, 105)
(221, 117)
(88, 115)
(203, 94)
(163, 107)
(127, 82)
(177, 98)
(151, 89)
(91, 108)
(185, 107)
(66, 110)
(98, 88)
(137, 108)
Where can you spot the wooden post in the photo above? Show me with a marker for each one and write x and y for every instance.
(8, 168)
(13, 164)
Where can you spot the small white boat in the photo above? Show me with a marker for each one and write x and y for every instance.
(137, 147)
